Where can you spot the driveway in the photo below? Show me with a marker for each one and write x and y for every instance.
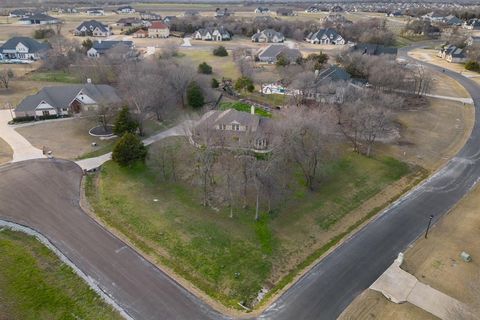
(22, 149)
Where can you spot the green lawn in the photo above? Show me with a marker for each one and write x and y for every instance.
(53, 76)
(231, 259)
(36, 285)
(240, 106)
(222, 66)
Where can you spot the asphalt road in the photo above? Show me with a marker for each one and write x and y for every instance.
(44, 195)
(326, 290)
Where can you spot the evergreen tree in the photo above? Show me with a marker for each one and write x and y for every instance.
(124, 122)
(128, 150)
(195, 97)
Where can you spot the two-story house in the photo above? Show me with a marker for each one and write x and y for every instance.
(268, 36)
(23, 48)
(212, 34)
(92, 28)
(325, 36)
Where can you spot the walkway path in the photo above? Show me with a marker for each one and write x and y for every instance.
(94, 163)
(400, 286)
(22, 149)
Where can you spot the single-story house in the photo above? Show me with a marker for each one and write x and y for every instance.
(262, 10)
(129, 22)
(125, 10)
(39, 18)
(268, 36)
(452, 53)
(325, 36)
(337, 8)
(23, 48)
(212, 34)
(92, 28)
(374, 49)
(66, 100)
(472, 24)
(285, 12)
(325, 88)
(234, 129)
(158, 29)
(140, 33)
(394, 14)
(20, 13)
(191, 13)
(452, 20)
(271, 53)
(473, 40)
(100, 47)
(95, 11)
(148, 15)
(219, 13)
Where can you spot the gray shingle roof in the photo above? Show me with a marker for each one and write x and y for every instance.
(39, 17)
(333, 73)
(61, 96)
(32, 44)
(91, 25)
(269, 34)
(104, 45)
(375, 49)
(329, 33)
(273, 51)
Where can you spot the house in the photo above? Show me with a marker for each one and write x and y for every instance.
(100, 47)
(314, 9)
(473, 40)
(451, 20)
(92, 28)
(158, 29)
(271, 53)
(169, 19)
(268, 36)
(212, 34)
(335, 18)
(125, 10)
(434, 16)
(472, 24)
(66, 100)
(374, 49)
(285, 12)
(20, 13)
(129, 22)
(149, 16)
(95, 11)
(325, 88)
(394, 14)
(262, 10)
(140, 33)
(191, 13)
(219, 13)
(452, 54)
(234, 130)
(325, 36)
(67, 10)
(23, 48)
(39, 18)
(337, 8)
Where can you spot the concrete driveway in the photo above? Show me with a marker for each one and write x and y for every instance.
(22, 149)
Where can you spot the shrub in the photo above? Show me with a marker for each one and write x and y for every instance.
(472, 66)
(124, 123)
(220, 51)
(215, 83)
(195, 97)
(87, 44)
(282, 60)
(43, 33)
(128, 150)
(244, 84)
(204, 68)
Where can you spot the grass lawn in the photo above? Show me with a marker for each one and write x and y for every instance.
(35, 284)
(53, 76)
(240, 106)
(231, 259)
(222, 66)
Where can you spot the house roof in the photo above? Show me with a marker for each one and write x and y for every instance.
(32, 44)
(333, 73)
(284, 11)
(158, 25)
(39, 17)
(269, 34)
(125, 7)
(329, 33)
(211, 30)
(273, 51)
(104, 45)
(129, 20)
(92, 24)
(61, 96)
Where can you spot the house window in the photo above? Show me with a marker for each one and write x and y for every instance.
(222, 127)
(45, 112)
(235, 127)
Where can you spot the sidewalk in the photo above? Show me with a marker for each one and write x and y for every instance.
(22, 149)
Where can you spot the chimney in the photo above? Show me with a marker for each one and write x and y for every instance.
(252, 109)
(89, 80)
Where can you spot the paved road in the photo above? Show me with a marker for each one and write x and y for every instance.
(44, 194)
(326, 290)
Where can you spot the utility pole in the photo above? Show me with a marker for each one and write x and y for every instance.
(428, 227)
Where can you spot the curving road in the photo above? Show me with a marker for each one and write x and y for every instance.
(44, 195)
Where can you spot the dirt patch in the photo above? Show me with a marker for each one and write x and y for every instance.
(6, 152)
(67, 139)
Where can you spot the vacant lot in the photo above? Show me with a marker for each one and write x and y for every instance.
(436, 262)
(6, 152)
(231, 259)
(36, 285)
(222, 66)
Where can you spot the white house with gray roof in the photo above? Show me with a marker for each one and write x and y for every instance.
(66, 100)
(39, 18)
(212, 34)
(100, 47)
(325, 36)
(23, 48)
(92, 28)
(268, 36)
(271, 53)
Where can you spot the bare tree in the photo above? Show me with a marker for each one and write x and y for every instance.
(106, 113)
(179, 77)
(422, 80)
(6, 75)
